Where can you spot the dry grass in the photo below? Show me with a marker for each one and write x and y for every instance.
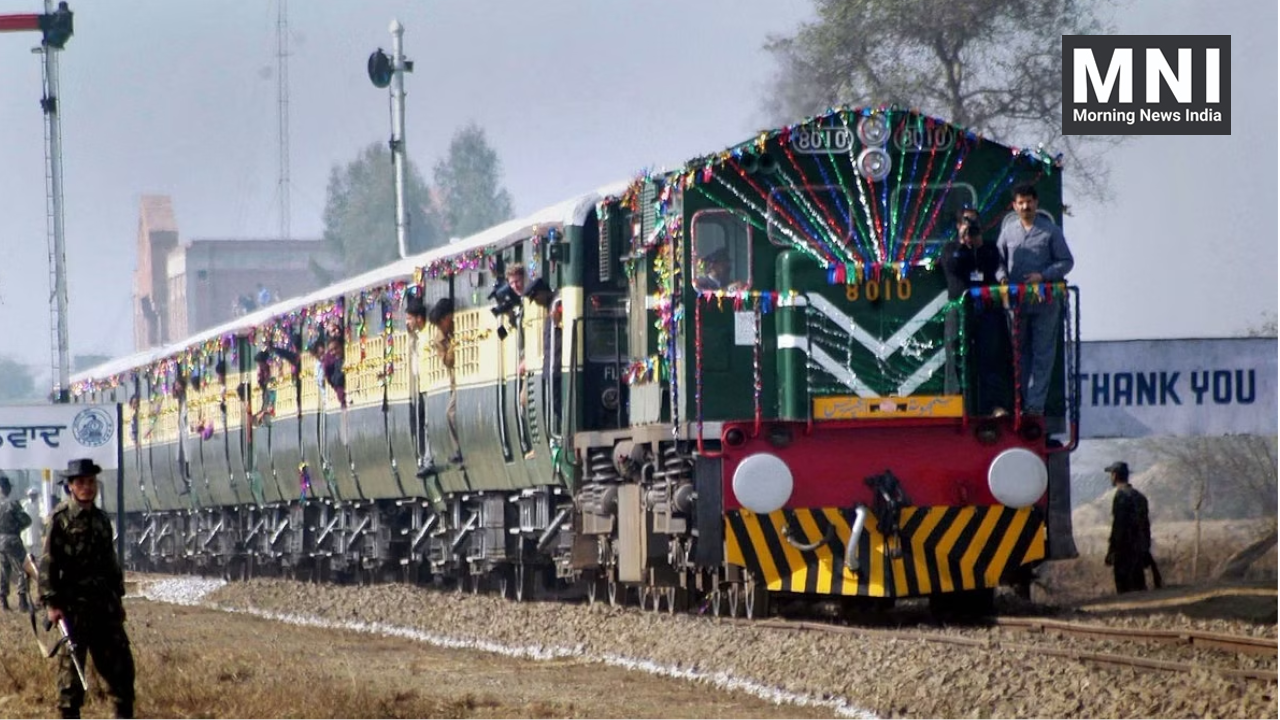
(200, 663)
(1087, 577)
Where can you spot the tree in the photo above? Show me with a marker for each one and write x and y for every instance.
(16, 382)
(993, 66)
(1266, 327)
(360, 213)
(1231, 477)
(468, 180)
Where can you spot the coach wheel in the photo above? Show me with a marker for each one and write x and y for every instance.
(593, 586)
(613, 593)
(504, 583)
(521, 581)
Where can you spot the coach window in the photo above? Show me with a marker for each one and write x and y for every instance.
(721, 251)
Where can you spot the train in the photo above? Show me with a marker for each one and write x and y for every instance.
(734, 392)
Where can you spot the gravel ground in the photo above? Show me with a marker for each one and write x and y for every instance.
(852, 675)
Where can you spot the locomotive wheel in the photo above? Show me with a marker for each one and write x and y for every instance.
(504, 583)
(593, 586)
(613, 593)
(672, 594)
(735, 600)
(757, 600)
(716, 601)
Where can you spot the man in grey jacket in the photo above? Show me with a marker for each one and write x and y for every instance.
(1033, 250)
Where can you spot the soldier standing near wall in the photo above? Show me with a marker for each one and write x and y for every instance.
(81, 581)
(13, 520)
(1129, 548)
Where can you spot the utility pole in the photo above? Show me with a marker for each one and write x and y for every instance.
(282, 106)
(389, 71)
(62, 388)
(55, 27)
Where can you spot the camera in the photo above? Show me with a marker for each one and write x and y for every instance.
(504, 298)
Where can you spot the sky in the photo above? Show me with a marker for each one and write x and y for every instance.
(180, 99)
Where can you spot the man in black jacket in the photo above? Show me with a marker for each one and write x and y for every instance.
(1129, 547)
(968, 262)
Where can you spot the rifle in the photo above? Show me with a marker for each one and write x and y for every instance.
(33, 576)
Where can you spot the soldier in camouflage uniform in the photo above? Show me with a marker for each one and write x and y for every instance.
(81, 580)
(13, 520)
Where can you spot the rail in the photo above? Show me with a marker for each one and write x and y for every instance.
(1195, 638)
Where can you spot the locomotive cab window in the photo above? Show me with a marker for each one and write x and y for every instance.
(721, 251)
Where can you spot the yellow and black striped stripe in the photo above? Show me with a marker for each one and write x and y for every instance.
(943, 549)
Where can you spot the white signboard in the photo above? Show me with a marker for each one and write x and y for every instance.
(1136, 388)
(33, 437)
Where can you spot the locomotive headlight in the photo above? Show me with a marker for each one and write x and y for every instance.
(873, 129)
(1017, 477)
(874, 164)
(762, 483)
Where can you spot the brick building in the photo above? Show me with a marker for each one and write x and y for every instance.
(183, 287)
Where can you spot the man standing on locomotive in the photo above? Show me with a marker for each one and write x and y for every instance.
(1032, 251)
(81, 582)
(1129, 547)
(969, 262)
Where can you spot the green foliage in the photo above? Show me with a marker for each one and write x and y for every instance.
(994, 66)
(360, 213)
(468, 180)
(16, 381)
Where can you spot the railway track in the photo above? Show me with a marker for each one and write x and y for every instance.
(1221, 643)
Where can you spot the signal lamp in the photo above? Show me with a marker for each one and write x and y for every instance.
(874, 129)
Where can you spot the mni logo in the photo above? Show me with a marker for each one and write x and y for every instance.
(1146, 84)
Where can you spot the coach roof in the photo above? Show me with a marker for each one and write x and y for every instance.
(573, 211)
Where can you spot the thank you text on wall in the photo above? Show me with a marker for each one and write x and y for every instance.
(1146, 84)
(48, 436)
(1136, 388)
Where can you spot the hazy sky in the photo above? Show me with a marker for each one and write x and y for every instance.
(180, 99)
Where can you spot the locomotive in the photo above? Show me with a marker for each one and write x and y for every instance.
(740, 385)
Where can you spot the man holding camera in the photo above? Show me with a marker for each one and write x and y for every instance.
(969, 262)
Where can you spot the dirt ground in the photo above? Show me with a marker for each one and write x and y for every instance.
(199, 662)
